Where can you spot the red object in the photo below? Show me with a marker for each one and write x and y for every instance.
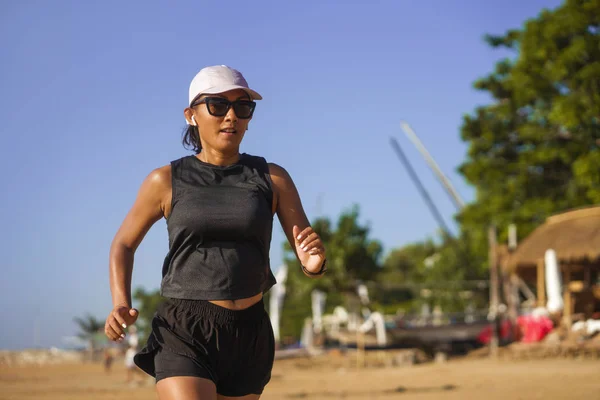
(529, 329)
(534, 328)
(485, 336)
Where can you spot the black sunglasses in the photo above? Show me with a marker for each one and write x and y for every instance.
(218, 107)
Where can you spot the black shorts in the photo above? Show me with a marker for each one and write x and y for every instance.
(234, 349)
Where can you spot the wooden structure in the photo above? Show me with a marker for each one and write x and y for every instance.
(575, 237)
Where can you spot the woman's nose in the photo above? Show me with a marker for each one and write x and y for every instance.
(230, 116)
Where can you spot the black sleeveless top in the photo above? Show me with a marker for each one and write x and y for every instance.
(220, 230)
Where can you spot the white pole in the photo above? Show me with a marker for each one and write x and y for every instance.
(276, 301)
(376, 321)
(553, 282)
(458, 201)
(512, 236)
(318, 305)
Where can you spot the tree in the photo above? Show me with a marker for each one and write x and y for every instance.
(89, 326)
(147, 303)
(439, 269)
(534, 150)
(396, 285)
(351, 257)
(91, 331)
(405, 264)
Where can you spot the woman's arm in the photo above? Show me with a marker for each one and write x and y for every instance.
(304, 240)
(152, 203)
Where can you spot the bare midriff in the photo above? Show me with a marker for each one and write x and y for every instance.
(239, 304)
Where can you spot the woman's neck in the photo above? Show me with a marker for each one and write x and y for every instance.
(217, 158)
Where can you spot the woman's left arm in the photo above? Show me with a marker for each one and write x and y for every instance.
(304, 240)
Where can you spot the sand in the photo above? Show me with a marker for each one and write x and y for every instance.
(330, 377)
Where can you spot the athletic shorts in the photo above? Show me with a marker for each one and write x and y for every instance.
(234, 349)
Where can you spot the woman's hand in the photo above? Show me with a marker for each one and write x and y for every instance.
(118, 320)
(309, 248)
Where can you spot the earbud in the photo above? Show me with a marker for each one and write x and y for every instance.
(193, 121)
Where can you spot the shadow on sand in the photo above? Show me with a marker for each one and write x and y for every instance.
(371, 393)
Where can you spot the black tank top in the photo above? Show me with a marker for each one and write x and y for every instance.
(220, 230)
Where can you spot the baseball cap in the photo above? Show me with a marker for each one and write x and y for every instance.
(219, 79)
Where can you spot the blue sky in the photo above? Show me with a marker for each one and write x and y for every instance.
(92, 100)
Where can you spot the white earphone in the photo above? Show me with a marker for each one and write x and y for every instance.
(193, 121)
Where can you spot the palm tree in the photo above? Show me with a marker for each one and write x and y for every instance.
(90, 331)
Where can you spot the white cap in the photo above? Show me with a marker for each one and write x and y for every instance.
(219, 79)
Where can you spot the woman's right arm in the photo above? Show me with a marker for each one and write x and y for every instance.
(152, 203)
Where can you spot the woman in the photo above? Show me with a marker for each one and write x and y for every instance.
(211, 338)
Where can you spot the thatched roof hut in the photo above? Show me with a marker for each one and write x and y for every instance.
(574, 235)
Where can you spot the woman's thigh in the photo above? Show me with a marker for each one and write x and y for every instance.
(186, 388)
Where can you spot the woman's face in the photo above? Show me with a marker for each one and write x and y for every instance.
(218, 131)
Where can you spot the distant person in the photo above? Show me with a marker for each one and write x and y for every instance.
(132, 348)
(212, 337)
(107, 359)
(131, 369)
(129, 362)
(132, 337)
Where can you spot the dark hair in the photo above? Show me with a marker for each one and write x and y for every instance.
(191, 139)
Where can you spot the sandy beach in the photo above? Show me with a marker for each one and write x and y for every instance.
(334, 377)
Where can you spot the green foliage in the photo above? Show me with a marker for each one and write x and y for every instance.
(91, 331)
(406, 264)
(89, 326)
(351, 257)
(534, 151)
(146, 304)
(429, 272)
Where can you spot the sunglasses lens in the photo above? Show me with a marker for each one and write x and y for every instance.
(243, 109)
(217, 107)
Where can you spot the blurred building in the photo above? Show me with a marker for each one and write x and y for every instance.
(575, 238)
